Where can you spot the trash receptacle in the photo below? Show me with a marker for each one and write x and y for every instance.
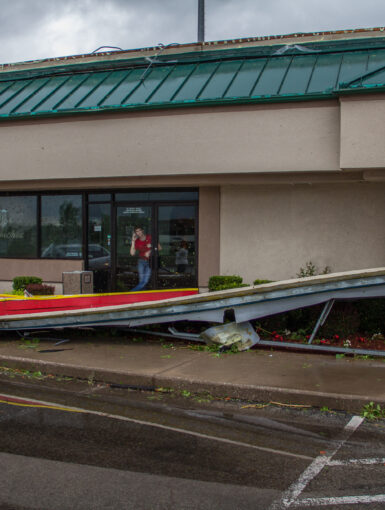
(78, 282)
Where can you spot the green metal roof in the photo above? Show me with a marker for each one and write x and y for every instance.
(245, 75)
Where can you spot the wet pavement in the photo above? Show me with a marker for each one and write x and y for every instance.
(110, 448)
(163, 425)
(343, 383)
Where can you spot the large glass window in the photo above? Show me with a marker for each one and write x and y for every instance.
(18, 228)
(61, 226)
(146, 196)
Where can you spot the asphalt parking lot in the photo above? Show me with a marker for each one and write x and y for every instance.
(159, 455)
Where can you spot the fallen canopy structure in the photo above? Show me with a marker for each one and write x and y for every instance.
(246, 303)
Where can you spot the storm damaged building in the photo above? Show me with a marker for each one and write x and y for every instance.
(247, 157)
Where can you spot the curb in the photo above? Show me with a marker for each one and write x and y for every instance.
(340, 402)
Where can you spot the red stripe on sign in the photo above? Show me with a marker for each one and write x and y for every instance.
(32, 305)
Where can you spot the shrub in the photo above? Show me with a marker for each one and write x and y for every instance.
(225, 282)
(260, 282)
(21, 282)
(311, 269)
(39, 289)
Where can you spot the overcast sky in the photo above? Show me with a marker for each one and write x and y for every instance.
(34, 29)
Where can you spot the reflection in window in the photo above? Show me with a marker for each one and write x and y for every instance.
(18, 226)
(61, 226)
(145, 196)
(99, 245)
(99, 197)
(176, 227)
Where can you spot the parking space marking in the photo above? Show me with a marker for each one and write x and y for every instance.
(343, 500)
(291, 495)
(356, 462)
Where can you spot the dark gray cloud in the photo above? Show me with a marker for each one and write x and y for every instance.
(33, 29)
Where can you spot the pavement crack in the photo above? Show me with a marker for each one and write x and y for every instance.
(172, 368)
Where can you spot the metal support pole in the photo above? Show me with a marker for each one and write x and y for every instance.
(201, 20)
(322, 318)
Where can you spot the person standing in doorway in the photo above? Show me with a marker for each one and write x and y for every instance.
(181, 257)
(141, 243)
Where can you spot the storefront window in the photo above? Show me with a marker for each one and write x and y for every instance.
(146, 196)
(61, 226)
(18, 226)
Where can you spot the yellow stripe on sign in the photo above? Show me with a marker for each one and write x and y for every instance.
(42, 406)
(69, 296)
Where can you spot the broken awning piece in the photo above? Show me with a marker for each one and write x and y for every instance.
(246, 303)
(243, 336)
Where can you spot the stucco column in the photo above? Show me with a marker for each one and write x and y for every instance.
(209, 235)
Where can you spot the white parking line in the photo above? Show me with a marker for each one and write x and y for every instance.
(160, 426)
(343, 500)
(356, 462)
(290, 496)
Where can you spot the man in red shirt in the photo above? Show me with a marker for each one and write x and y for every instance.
(141, 242)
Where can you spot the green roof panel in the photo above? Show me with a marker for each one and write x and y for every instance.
(23, 95)
(122, 88)
(12, 91)
(298, 75)
(271, 79)
(80, 92)
(62, 91)
(101, 90)
(196, 82)
(245, 79)
(28, 105)
(173, 82)
(353, 65)
(325, 74)
(240, 75)
(148, 84)
(220, 80)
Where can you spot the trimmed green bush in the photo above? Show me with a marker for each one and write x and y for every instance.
(225, 282)
(260, 282)
(39, 289)
(21, 282)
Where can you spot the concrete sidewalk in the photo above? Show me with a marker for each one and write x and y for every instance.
(257, 375)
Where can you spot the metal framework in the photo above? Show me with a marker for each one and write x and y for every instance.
(246, 304)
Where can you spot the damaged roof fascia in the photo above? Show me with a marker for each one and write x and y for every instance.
(269, 46)
(318, 70)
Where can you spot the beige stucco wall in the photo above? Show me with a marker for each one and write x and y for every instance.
(272, 231)
(50, 270)
(362, 132)
(259, 138)
(208, 229)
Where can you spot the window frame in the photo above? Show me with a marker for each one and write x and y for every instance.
(84, 213)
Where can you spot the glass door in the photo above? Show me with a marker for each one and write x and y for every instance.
(177, 254)
(135, 253)
(99, 245)
(156, 246)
